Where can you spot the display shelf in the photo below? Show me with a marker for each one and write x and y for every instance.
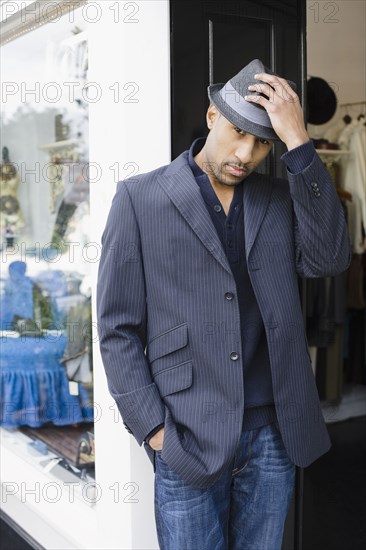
(332, 155)
(51, 502)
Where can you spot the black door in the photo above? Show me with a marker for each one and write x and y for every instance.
(210, 42)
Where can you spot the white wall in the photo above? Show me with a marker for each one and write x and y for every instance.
(122, 133)
(336, 49)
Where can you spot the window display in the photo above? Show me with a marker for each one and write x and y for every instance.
(45, 321)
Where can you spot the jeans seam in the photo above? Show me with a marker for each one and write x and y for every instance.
(236, 471)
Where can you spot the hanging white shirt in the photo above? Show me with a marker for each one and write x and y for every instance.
(353, 138)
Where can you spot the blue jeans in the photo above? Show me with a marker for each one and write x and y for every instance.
(245, 509)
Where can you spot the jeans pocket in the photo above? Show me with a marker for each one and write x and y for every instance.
(157, 458)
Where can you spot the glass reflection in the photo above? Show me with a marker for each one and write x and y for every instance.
(46, 258)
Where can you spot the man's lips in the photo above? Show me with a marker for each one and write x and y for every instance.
(235, 170)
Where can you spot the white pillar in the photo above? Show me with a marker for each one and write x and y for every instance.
(129, 60)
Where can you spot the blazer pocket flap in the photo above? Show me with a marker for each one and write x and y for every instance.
(174, 379)
(170, 340)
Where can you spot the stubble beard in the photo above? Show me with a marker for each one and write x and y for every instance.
(227, 179)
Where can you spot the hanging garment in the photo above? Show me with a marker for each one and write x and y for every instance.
(333, 133)
(353, 138)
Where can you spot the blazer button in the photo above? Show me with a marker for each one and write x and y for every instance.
(229, 295)
(234, 356)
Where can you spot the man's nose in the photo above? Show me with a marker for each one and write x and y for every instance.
(244, 151)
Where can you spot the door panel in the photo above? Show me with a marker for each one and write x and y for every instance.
(236, 33)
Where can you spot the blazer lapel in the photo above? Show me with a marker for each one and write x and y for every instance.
(256, 194)
(182, 189)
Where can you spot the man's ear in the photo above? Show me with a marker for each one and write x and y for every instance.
(212, 115)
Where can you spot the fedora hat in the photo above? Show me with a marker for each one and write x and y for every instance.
(229, 100)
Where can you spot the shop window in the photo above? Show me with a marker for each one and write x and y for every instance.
(46, 255)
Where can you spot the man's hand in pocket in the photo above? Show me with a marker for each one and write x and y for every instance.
(156, 441)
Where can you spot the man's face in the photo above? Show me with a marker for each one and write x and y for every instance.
(230, 154)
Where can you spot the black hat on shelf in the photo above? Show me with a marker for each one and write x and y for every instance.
(321, 101)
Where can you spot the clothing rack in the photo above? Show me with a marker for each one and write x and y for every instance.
(353, 103)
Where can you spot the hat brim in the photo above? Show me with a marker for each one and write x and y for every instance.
(236, 119)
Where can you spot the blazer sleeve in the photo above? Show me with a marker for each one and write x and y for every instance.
(121, 314)
(322, 244)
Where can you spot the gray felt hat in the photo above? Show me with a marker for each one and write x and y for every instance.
(229, 100)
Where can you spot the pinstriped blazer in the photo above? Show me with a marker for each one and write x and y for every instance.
(168, 332)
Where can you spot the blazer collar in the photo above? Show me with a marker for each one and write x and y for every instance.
(256, 197)
(180, 185)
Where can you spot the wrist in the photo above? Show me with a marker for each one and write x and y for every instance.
(297, 141)
(300, 158)
(156, 439)
(153, 432)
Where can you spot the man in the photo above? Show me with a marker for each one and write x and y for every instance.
(201, 328)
